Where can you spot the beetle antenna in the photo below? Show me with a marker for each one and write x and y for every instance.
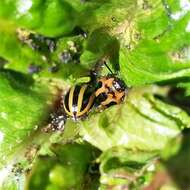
(108, 68)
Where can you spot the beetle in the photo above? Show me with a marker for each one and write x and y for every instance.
(111, 90)
(78, 101)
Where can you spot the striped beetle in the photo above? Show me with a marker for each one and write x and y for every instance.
(78, 101)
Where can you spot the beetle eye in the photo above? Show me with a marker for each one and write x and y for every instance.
(119, 85)
(116, 85)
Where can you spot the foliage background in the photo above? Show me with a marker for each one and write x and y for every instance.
(50, 45)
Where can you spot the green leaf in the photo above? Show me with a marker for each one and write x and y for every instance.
(49, 64)
(69, 172)
(161, 51)
(23, 106)
(50, 18)
(173, 172)
(120, 166)
(99, 46)
(19, 56)
(178, 165)
(141, 122)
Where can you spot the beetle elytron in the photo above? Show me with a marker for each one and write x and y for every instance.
(80, 99)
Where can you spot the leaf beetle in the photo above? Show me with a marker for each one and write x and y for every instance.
(78, 101)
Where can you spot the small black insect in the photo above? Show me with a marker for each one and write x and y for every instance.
(57, 123)
(65, 57)
(33, 68)
(53, 68)
(36, 41)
